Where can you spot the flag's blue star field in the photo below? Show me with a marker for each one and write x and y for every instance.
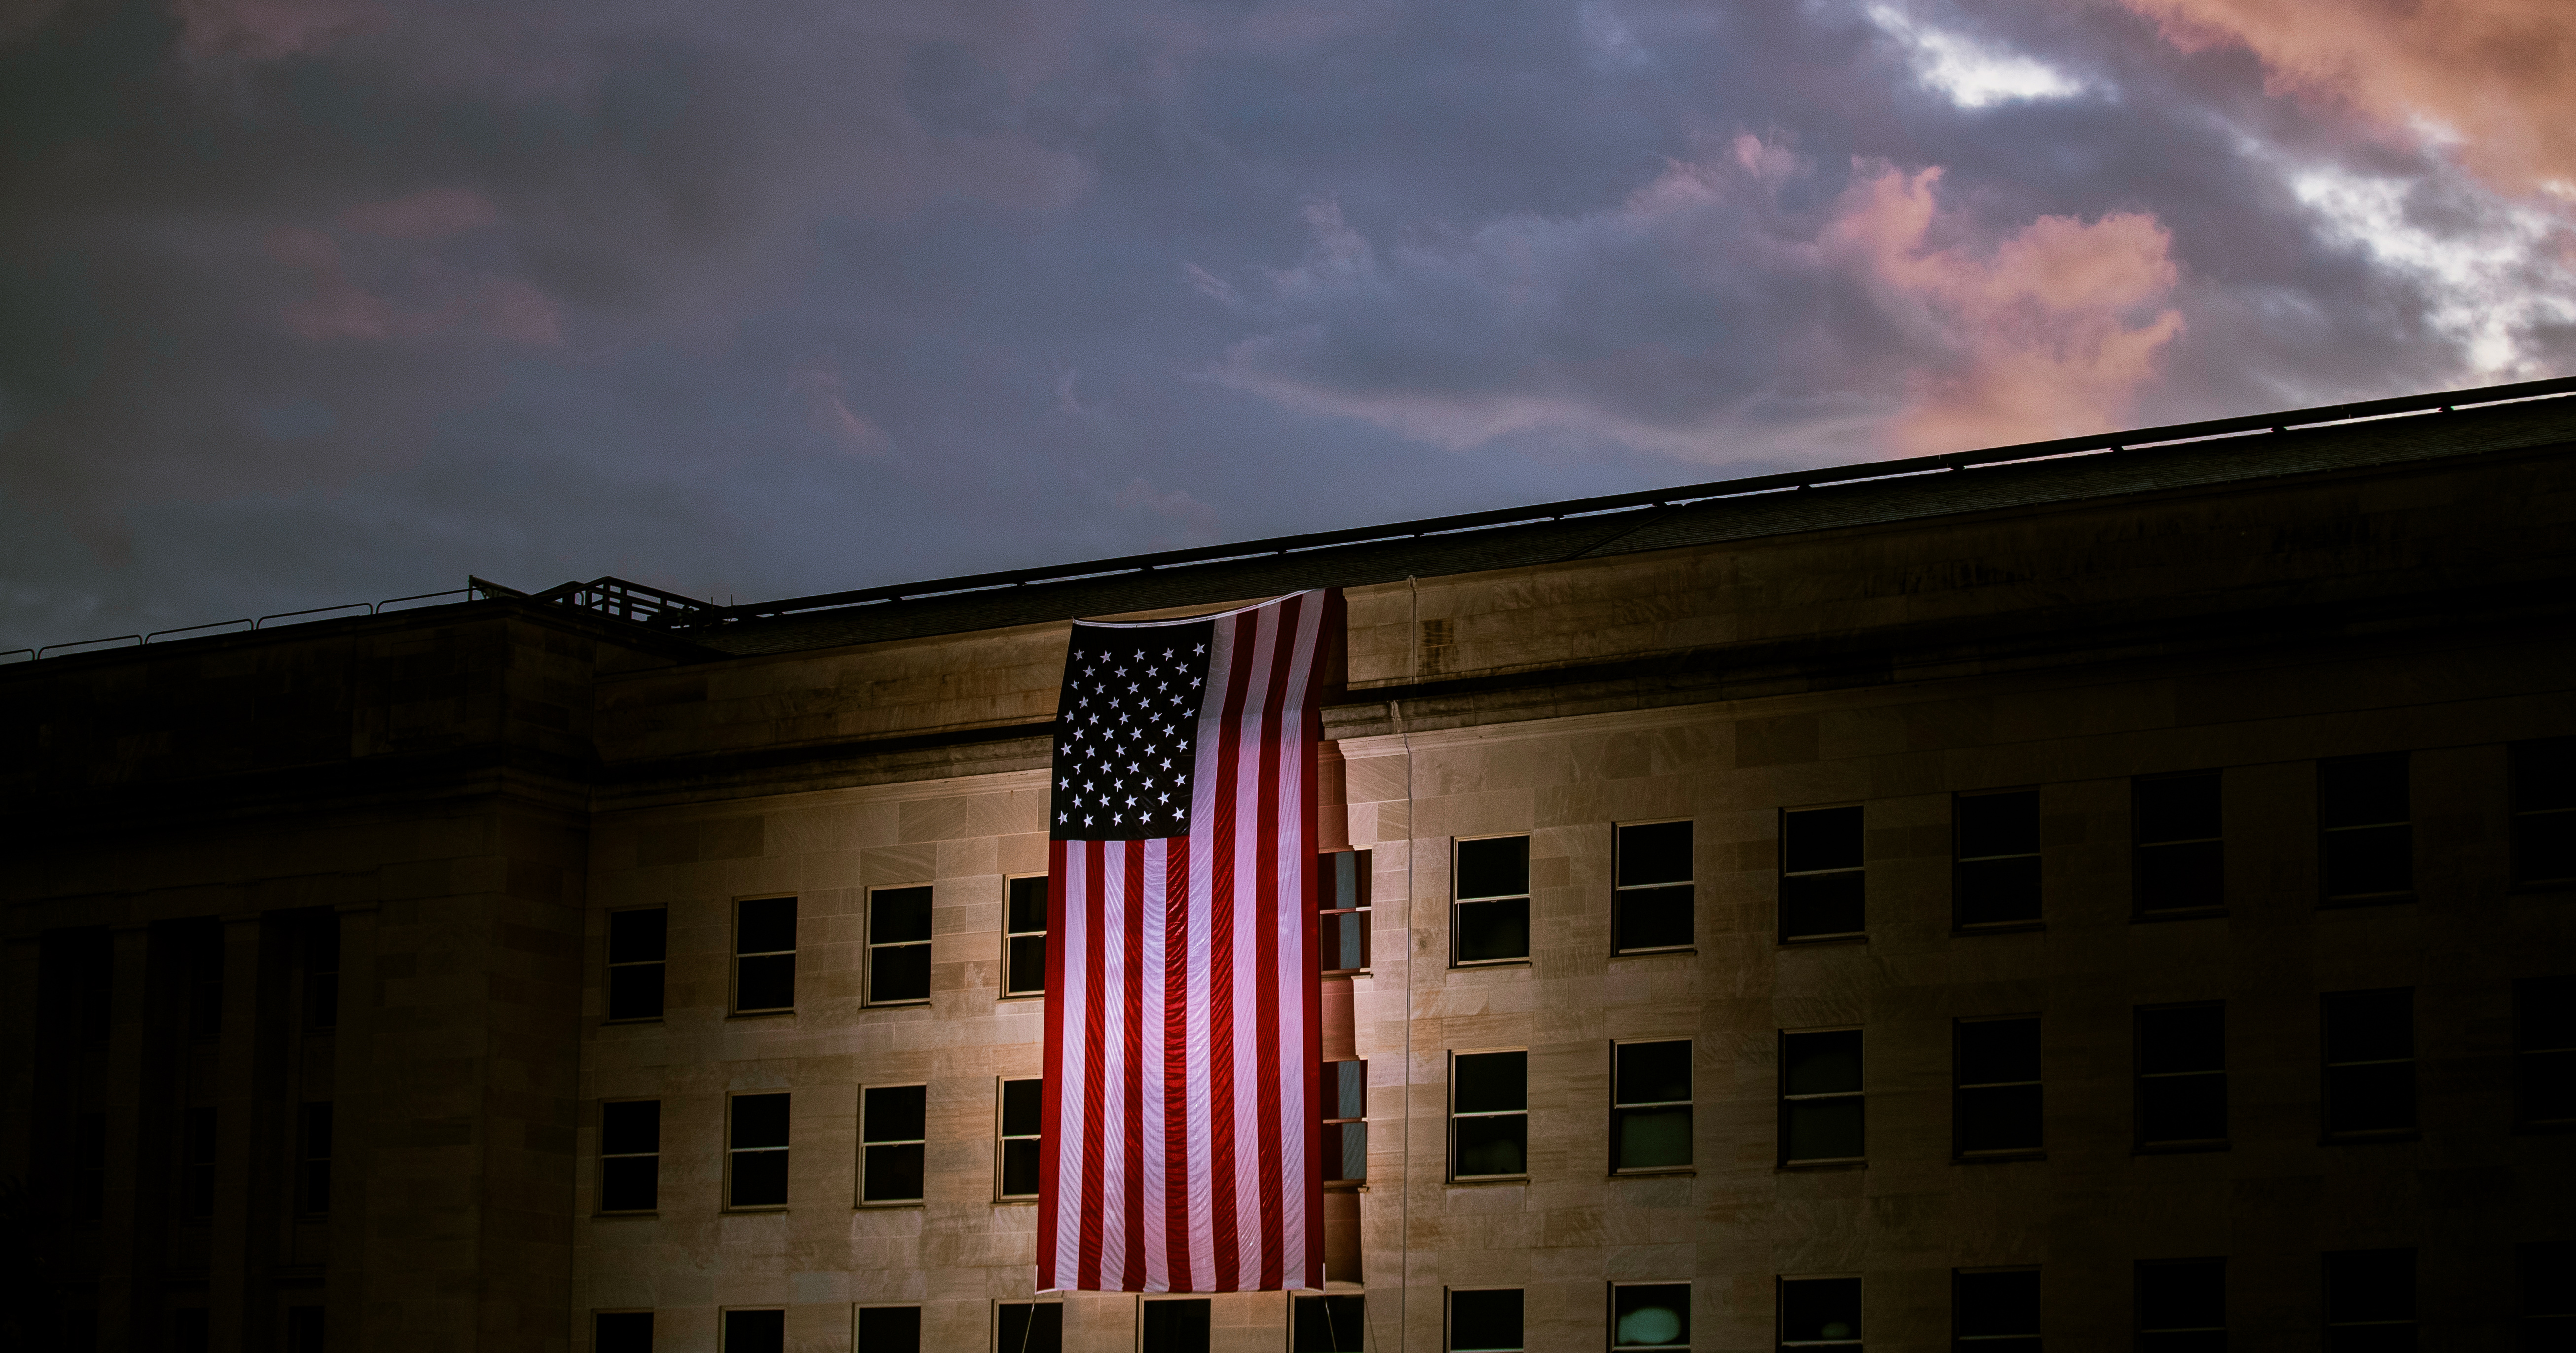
(1127, 732)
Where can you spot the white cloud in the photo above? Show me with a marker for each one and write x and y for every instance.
(1970, 73)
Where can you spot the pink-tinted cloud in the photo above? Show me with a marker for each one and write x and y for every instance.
(336, 307)
(433, 214)
(827, 411)
(268, 30)
(2497, 78)
(2049, 330)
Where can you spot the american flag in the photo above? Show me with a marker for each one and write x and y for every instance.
(1178, 1151)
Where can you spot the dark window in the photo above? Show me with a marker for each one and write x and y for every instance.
(1651, 905)
(2182, 1306)
(1995, 880)
(899, 946)
(1345, 1141)
(1822, 888)
(2544, 1052)
(1650, 1105)
(205, 960)
(638, 942)
(191, 1331)
(630, 1155)
(1029, 1326)
(2180, 857)
(1342, 911)
(1024, 938)
(2544, 811)
(1023, 1117)
(1995, 1104)
(894, 1132)
(1489, 1117)
(2370, 1301)
(1329, 1325)
(1489, 921)
(1650, 1315)
(1487, 1318)
(89, 1166)
(303, 1329)
(2545, 1281)
(1820, 1313)
(889, 1329)
(756, 1152)
(621, 1332)
(1995, 1310)
(322, 973)
(197, 1164)
(764, 949)
(313, 1158)
(755, 1332)
(2182, 1077)
(2369, 1054)
(2365, 836)
(1820, 1097)
(1173, 1326)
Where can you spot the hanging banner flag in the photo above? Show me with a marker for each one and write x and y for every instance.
(1179, 1144)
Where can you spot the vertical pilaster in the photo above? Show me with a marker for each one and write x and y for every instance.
(353, 1119)
(128, 1263)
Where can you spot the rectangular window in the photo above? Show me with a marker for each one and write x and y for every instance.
(1652, 901)
(1173, 1325)
(755, 1331)
(1650, 1315)
(2545, 1280)
(1820, 1312)
(1995, 1095)
(764, 956)
(2370, 1301)
(304, 1329)
(887, 1329)
(638, 943)
(197, 1164)
(1485, 1319)
(2368, 1047)
(630, 1155)
(1650, 1105)
(1822, 886)
(2544, 812)
(1489, 921)
(89, 1166)
(1024, 938)
(621, 1332)
(2179, 856)
(2544, 1052)
(322, 973)
(313, 1158)
(205, 963)
(2365, 831)
(1028, 1326)
(1342, 911)
(756, 1151)
(1023, 1118)
(191, 1330)
(894, 1135)
(1345, 1142)
(1328, 1325)
(1488, 1115)
(2182, 1305)
(1995, 874)
(1994, 1310)
(899, 946)
(2182, 1077)
(1820, 1097)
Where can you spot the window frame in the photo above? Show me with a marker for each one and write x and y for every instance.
(856, 1316)
(872, 945)
(2531, 1289)
(2326, 834)
(1522, 1113)
(599, 1197)
(1959, 1090)
(1860, 870)
(1963, 1342)
(2137, 1297)
(2139, 846)
(734, 1153)
(2530, 1055)
(1003, 1137)
(993, 1324)
(2141, 1143)
(724, 1334)
(2038, 919)
(1363, 872)
(1780, 1310)
(1786, 1161)
(734, 1008)
(2329, 1134)
(645, 1311)
(612, 965)
(1145, 1299)
(1612, 1300)
(1332, 1103)
(1010, 968)
(1456, 902)
(1618, 890)
(2519, 871)
(1297, 1300)
(859, 1186)
(1449, 1317)
(2326, 1315)
(1619, 1108)
(313, 1169)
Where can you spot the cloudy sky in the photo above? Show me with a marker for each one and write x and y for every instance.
(315, 301)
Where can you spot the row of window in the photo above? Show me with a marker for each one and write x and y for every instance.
(2367, 1300)
(309, 1176)
(2366, 1068)
(2365, 849)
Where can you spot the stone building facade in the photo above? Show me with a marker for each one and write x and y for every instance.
(2106, 900)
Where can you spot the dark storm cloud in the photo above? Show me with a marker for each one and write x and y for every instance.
(309, 300)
